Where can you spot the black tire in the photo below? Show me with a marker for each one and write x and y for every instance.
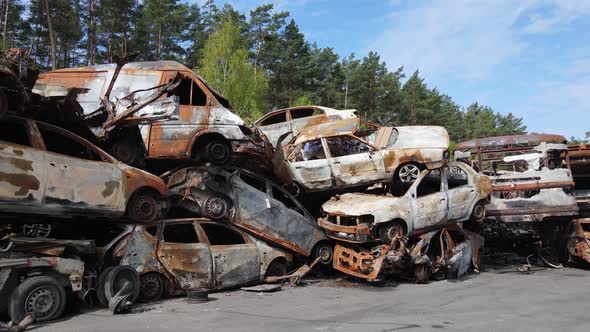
(422, 273)
(100, 295)
(325, 251)
(407, 173)
(43, 293)
(217, 152)
(144, 207)
(153, 287)
(277, 268)
(116, 279)
(387, 231)
(478, 213)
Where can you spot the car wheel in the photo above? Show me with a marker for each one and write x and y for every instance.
(389, 231)
(40, 231)
(217, 152)
(153, 287)
(277, 268)
(479, 212)
(144, 207)
(408, 173)
(421, 273)
(215, 207)
(122, 277)
(325, 251)
(43, 297)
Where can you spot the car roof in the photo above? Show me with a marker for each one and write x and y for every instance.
(328, 129)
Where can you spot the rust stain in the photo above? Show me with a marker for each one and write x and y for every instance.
(109, 188)
(25, 165)
(18, 152)
(22, 181)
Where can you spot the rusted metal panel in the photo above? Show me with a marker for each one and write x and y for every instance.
(578, 245)
(534, 186)
(72, 268)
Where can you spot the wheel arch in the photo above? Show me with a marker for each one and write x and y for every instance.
(202, 138)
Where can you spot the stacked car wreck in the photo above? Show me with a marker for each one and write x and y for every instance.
(136, 181)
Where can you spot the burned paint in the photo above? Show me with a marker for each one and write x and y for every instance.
(358, 217)
(23, 182)
(22, 164)
(109, 188)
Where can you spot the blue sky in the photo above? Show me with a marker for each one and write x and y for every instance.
(528, 57)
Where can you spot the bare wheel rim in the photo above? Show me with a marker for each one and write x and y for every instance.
(393, 230)
(325, 254)
(37, 230)
(218, 152)
(152, 287)
(42, 302)
(408, 173)
(216, 207)
(478, 212)
(145, 207)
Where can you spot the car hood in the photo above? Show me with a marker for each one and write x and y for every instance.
(357, 204)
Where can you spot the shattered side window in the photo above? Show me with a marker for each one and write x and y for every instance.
(220, 235)
(180, 233)
(199, 98)
(312, 150)
(456, 177)
(276, 118)
(183, 91)
(61, 144)
(283, 198)
(304, 113)
(346, 145)
(253, 182)
(430, 184)
(14, 133)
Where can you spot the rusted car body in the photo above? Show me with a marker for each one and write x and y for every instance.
(331, 155)
(45, 170)
(295, 119)
(450, 194)
(252, 203)
(449, 250)
(196, 122)
(578, 244)
(180, 254)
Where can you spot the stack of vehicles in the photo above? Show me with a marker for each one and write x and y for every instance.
(136, 181)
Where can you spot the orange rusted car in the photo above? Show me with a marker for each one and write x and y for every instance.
(191, 121)
(46, 170)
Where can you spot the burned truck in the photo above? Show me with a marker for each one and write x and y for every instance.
(532, 189)
(162, 111)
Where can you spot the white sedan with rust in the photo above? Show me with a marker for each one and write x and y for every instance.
(345, 154)
(453, 193)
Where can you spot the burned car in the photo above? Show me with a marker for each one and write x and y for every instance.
(45, 170)
(191, 121)
(450, 194)
(449, 252)
(331, 156)
(179, 254)
(295, 119)
(252, 203)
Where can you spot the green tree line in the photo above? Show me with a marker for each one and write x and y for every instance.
(260, 61)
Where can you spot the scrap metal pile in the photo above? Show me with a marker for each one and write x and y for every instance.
(135, 181)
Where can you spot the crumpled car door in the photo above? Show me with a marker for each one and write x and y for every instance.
(189, 261)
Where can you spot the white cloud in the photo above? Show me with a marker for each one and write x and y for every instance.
(468, 39)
